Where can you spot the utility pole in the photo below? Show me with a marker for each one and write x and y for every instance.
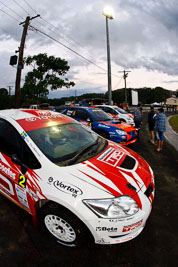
(125, 89)
(20, 60)
(10, 88)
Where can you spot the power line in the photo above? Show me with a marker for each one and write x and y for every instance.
(59, 35)
(51, 23)
(81, 46)
(64, 34)
(118, 83)
(11, 10)
(72, 50)
(9, 15)
(86, 59)
(68, 48)
(21, 7)
(30, 7)
(56, 28)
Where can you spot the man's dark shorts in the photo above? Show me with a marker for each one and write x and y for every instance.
(160, 135)
(151, 127)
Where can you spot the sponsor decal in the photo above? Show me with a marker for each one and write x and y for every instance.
(103, 125)
(32, 194)
(7, 171)
(102, 241)
(115, 220)
(124, 239)
(22, 196)
(50, 179)
(104, 155)
(69, 112)
(106, 229)
(22, 180)
(44, 117)
(24, 134)
(68, 188)
(132, 226)
(111, 157)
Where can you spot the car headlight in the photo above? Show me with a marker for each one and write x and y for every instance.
(121, 132)
(119, 207)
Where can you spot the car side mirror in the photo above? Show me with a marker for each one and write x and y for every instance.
(15, 159)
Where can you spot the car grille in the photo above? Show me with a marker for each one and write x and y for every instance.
(149, 190)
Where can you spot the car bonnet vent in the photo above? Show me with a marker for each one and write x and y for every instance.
(128, 163)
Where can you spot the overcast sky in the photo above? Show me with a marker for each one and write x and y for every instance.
(143, 40)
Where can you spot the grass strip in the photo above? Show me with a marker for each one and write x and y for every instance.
(174, 123)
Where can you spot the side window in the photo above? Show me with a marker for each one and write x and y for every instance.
(113, 112)
(9, 144)
(69, 112)
(28, 158)
(82, 115)
(12, 143)
(107, 110)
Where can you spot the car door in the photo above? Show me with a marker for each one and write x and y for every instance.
(110, 111)
(13, 175)
(82, 116)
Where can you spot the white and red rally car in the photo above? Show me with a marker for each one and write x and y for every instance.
(75, 182)
(118, 113)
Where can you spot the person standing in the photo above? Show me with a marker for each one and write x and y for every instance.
(151, 124)
(138, 118)
(160, 128)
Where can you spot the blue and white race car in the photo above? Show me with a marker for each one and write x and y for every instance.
(103, 124)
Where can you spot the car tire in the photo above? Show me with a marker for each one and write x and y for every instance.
(63, 226)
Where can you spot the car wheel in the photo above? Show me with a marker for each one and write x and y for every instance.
(104, 134)
(63, 225)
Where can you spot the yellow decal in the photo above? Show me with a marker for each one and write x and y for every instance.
(22, 180)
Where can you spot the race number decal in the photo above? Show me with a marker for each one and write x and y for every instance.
(22, 180)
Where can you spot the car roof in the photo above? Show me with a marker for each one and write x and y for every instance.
(110, 106)
(19, 114)
(83, 108)
(34, 118)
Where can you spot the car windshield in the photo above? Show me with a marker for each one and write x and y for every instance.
(120, 110)
(100, 115)
(65, 144)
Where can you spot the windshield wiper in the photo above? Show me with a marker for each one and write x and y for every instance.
(74, 159)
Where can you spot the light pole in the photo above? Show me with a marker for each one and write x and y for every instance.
(108, 13)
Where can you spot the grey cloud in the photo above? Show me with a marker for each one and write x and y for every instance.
(143, 33)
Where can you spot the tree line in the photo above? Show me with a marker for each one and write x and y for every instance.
(49, 73)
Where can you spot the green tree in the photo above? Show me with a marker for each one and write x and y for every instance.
(4, 98)
(3, 91)
(47, 74)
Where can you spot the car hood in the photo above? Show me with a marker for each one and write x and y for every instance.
(117, 170)
(120, 125)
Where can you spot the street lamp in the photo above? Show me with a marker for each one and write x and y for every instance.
(108, 13)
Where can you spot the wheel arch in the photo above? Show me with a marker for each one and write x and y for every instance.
(103, 133)
(123, 120)
(46, 202)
